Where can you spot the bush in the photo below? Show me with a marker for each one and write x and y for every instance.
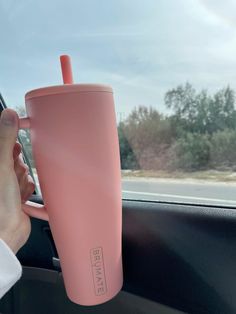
(192, 152)
(145, 137)
(223, 149)
(127, 156)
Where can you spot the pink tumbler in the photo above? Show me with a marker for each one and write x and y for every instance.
(75, 147)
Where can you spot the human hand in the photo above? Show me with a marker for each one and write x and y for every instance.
(16, 186)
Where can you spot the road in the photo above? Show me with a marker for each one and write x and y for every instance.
(184, 191)
(181, 191)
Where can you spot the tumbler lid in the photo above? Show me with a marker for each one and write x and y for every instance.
(68, 86)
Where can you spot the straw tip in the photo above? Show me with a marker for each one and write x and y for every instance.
(64, 57)
(66, 69)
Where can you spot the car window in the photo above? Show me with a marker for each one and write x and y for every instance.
(171, 65)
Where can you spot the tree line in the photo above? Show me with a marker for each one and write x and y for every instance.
(199, 134)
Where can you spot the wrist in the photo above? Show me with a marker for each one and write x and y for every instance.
(12, 241)
(16, 236)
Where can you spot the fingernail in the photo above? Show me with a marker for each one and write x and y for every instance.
(8, 118)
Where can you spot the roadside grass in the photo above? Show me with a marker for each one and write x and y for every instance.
(209, 175)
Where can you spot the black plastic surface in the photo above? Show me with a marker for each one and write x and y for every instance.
(42, 291)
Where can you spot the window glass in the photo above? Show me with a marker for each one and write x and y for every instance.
(25, 141)
(172, 67)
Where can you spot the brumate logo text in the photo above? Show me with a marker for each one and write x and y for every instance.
(98, 271)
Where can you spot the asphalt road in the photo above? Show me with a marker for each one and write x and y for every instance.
(181, 191)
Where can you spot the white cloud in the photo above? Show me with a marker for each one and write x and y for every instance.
(223, 11)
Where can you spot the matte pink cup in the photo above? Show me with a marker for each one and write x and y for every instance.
(76, 152)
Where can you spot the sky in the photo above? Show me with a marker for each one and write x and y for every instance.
(141, 48)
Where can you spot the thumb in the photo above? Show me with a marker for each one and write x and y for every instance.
(8, 135)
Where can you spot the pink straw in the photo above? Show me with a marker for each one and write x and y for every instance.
(66, 69)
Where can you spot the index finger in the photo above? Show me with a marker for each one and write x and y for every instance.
(16, 150)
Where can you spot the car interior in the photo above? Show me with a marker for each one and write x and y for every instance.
(177, 258)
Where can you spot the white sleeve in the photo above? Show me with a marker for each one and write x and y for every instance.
(10, 268)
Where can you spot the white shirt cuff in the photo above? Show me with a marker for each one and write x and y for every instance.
(10, 268)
